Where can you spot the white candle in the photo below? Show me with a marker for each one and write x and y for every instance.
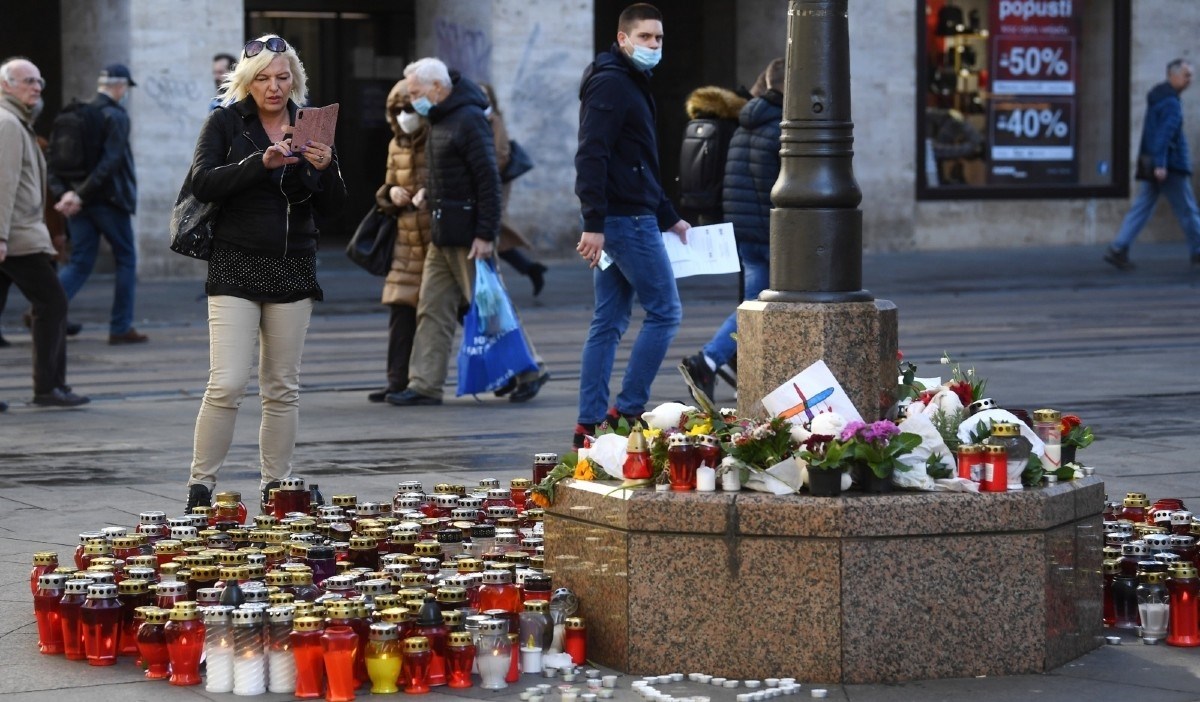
(531, 659)
(220, 671)
(250, 675)
(492, 669)
(281, 667)
(706, 479)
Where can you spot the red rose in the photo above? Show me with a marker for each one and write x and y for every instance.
(963, 389)
(1069, 422)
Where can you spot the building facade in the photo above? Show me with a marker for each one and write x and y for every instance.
(1056, 173)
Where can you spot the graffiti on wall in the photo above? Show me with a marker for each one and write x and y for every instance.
(465, 48)
(180, 100)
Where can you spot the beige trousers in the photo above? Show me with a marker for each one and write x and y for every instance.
(235, 325)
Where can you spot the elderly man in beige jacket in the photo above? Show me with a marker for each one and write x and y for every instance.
(25, 249)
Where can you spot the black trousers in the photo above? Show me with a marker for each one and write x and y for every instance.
(36, 278)
(402, 327)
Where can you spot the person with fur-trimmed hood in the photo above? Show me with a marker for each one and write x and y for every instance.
(403, 196)
(713, 114)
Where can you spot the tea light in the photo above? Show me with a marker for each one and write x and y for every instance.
(531, 659)
(718, 681)
(1113, 640)
(1088, 470)
(701, 698)
(662, 487)
(593, 684)
(569, 695)
(1051, 479)
(549, 672)
(609, 681)
(536, 698)
(753, 684)
(675, 677)
(543, 688)
(704, 679)
(606, 693)
(772, 682)
(730, 684)
(588, 697)
(663, 679)
(745, 697)
(569, 676)
(694, 677)
(787, 681)
(637, 683)
(819, 692)
(758, 696)
(525, 695)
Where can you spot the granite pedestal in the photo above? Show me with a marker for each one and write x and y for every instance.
(857, 340)
(856, 589)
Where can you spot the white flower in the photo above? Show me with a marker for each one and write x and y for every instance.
(945, 360)
(828, 424)
(666, 415)
(799, 433)
(970, 371)
(729, 411)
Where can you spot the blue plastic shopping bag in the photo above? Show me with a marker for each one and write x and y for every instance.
(493, 350)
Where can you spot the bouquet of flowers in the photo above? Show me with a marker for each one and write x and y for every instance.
(878, 446)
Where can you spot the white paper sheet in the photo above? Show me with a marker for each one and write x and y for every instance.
(710, 250)
(810, 392)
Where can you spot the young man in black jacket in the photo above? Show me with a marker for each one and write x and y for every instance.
(624, 210)
(464, 192)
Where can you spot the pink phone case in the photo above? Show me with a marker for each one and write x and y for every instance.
(316, 124)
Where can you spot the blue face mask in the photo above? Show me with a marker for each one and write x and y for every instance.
(644, 58)
(422, 105)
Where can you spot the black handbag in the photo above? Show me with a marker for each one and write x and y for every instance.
(1144, 170)
(373, 241)
(192, 223)
(519, 162)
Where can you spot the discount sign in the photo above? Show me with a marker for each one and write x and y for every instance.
(1033, 140)
(1034, 66)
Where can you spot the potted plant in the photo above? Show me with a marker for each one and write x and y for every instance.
(827, 461)
(1074, 437)
(875, 449)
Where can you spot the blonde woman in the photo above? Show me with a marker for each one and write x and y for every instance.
(262, 273)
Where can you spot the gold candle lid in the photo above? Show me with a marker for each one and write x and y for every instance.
(461, 638)
(575, 623)
(1005, 429)
(994, 450)
(340, 609)
(344, 500)
(155, 615)
(1047, 415)
(970, 450)
(306, 624)
(133, 587)
(416, 644)
(394, 615)
(540, 606)
(520, 483)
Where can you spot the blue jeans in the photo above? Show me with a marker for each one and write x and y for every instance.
(756, 264)
(640, 266)
(85, 230)
(1178, 190)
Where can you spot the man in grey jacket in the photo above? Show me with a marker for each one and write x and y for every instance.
(25, 248)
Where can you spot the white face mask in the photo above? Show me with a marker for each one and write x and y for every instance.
(409, 122)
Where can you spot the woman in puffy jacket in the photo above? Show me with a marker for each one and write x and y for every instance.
(403, 196)
(262, 274)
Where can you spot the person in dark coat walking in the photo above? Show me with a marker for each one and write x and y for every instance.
(463, 188)
(751, 169)
(1164, 142)
(624, 213)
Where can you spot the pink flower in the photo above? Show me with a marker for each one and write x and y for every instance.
(852, 430)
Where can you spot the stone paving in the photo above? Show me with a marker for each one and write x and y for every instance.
(1047, 327)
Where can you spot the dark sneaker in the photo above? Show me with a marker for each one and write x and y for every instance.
(3, 406)
(537, 276)
(529, 390)
(381, 395)
(410, 398)
(4, 343)
(1119, 259)
(198, 496)
(582, 433)
(73, 328)
(129, 337)
(1196, 259)
(506, 388)
(701, 374)
(60, 397)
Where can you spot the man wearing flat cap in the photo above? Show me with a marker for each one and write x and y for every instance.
(102, 203)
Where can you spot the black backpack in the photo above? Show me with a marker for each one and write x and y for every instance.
(702, 163)
(76, 141)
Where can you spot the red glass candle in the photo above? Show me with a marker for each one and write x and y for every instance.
(1112, 568)
(69, 611)
(514, 659)
(575, 640)
(100, 619)
(84, 538)
(1184, 587)
(519, 487)
(543, 463)
(310, 660)
(338, 646)
(1135, 507)
(415, 671)
(152, 643)
(293, 496)
(460, 657)
(47, 604)
(168, 593)
(432, 628)
(681, 462)
(185, 643)
(995, 469)
(43, 562)
(970, 462)
(708, 452)
(228, 507)
(134, 593)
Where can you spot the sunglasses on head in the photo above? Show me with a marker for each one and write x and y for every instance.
(254, 48)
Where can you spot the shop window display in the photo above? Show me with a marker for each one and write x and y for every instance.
(1023, 98)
